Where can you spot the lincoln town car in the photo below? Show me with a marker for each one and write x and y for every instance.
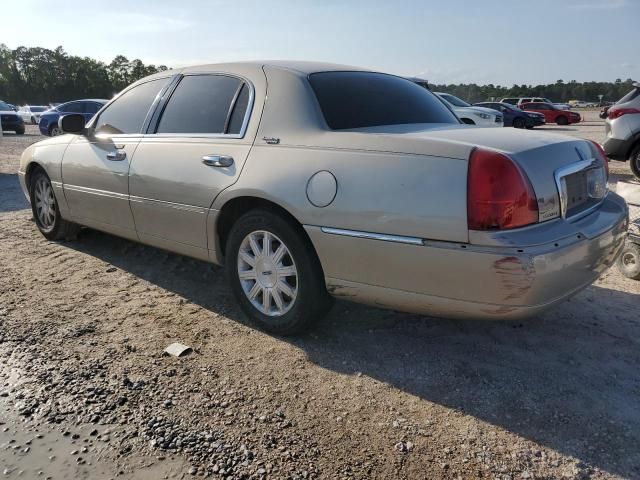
(311, 181)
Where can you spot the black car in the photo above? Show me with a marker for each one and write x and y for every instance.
(513, 116)
(10, 120)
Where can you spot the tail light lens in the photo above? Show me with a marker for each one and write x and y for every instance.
(618, 112)
(499, 194)
(604, 157)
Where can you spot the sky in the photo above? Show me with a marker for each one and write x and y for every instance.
(503, 42)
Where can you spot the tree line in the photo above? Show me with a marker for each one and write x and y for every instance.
(39, 76)
(556, 92)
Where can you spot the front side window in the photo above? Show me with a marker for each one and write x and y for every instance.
(206, 104)
(368, 99)
(127, 112)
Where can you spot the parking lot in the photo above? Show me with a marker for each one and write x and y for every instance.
(370, 394)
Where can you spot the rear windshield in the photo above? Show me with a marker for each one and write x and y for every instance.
(630, 96)
(366, 99)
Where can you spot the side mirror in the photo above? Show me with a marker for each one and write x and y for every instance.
(72, 123)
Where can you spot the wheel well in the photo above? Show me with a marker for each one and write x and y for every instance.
(235, 208)
(31, 169)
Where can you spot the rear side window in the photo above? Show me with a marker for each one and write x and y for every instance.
(205, 104)
(368, 99)
(73, 107)
(128, 112)
(90, 107)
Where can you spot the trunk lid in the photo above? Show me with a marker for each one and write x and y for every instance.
(545, 158)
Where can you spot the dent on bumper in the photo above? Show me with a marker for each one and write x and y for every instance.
(457, 280)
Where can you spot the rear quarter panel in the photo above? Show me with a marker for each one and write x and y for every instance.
(400, 194)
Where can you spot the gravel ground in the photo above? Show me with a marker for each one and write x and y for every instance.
(85, 391)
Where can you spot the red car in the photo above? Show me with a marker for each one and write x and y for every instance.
(552, 114)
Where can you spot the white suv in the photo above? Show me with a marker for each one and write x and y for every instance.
(479, 116)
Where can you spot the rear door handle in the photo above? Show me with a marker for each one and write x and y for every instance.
(117, 156)
(217, 160)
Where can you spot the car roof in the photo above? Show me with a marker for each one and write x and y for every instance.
(302, 68)
(99, 100)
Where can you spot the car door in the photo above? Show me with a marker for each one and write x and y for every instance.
(194, 150)
(95, 166)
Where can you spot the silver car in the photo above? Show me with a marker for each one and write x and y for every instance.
(622, 140)
(310, 181)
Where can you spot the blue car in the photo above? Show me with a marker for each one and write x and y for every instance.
(513, 116)
(49, 120)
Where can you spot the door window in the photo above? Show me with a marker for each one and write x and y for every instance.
(206, 104)
(128, 112)
(91, 108)
(72, 107)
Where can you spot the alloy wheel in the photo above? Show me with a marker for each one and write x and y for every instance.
(267, 273)
(45, 201)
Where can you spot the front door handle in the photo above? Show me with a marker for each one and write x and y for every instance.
(117, 156)
(217, 160)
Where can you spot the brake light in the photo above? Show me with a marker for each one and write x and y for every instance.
(499, 194)
(618, 112)
(604, 157)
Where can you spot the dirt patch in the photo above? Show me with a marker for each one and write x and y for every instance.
(370, 394)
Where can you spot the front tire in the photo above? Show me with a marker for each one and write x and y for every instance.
(562, 120)
(46, 213)
(20, 130)
(634, 162)
(518, 123)
(33, 120)
(629, 261)
(54, 131)
(274, 273)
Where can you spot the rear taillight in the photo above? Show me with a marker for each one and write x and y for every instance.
(604, 157)
(499, 194)
(618, 112)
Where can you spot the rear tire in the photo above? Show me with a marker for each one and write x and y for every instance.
(54, 130)
(20, 130)
(629, 260)
(529, 127)
(33, 120)
(562, 120)
(282, 289)
(46, 213)
(634, 162)
(518, 123)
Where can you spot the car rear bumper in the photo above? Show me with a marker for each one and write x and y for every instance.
(467, 281)
(617, 149)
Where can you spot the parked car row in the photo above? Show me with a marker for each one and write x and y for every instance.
(521, 100)
(297, 191)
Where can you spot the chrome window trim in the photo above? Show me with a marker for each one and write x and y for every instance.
(245, 121)
(373, 236)
(561, 184)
